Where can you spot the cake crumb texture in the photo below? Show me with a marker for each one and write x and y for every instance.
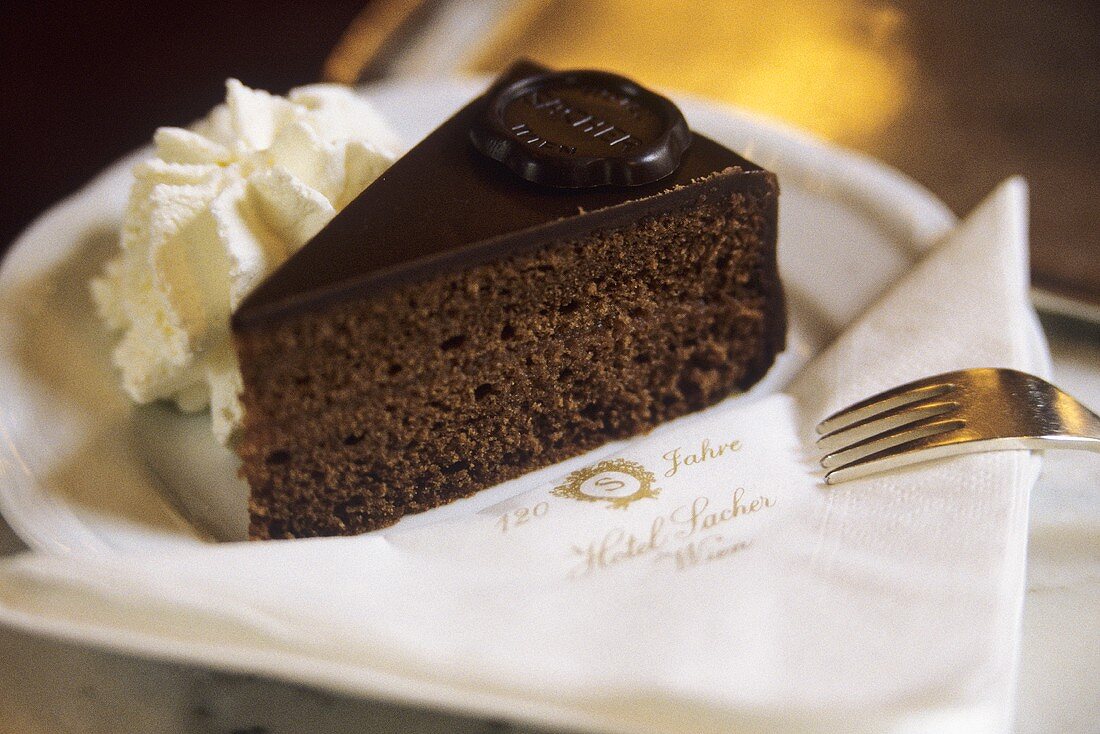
(368, 409)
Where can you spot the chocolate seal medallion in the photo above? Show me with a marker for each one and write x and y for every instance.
(577, 129)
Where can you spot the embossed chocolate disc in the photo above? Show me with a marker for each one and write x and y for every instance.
(577, 129)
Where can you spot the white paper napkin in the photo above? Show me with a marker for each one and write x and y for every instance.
(701, 579)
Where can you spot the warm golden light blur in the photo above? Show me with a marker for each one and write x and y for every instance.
(839, 69)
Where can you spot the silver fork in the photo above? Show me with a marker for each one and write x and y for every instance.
(953, 413)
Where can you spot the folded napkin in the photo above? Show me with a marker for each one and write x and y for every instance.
(701, 578)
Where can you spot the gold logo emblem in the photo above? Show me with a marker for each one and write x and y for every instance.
(617, 482)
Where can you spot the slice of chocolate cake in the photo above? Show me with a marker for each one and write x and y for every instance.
(560, 264)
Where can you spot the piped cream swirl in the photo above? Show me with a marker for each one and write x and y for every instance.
(216, 209)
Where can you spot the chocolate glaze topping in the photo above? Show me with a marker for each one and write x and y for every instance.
(445, 205)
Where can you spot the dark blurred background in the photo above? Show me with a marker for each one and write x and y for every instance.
(84, 83)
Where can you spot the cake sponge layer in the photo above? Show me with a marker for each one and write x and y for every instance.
(404, 399)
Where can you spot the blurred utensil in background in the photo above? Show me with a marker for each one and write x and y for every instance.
(956, 96)
(422, 38)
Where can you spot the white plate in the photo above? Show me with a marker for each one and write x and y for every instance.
(82, 470)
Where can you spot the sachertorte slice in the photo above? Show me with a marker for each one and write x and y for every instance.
(558, 265)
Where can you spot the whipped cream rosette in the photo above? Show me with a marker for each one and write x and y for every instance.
(217, 208)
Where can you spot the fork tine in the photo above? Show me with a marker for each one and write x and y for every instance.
(890, 419)
(889, 440)
(911, 392)
(918, 450)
